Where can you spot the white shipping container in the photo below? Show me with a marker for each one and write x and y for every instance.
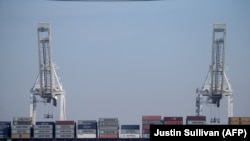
(43, 131)
(145, 135)
(64, 135)
(20, 131)
(86, 135)
(22, 118)
(22, 122)
(129, 135)
(65, 126)
(195, 122)
(20, 126)
(108, 124)
(108, 131)
(108, 119)
(43, 136)
(108, 127)
(130, 131)
(43, 127)
(86, 131)
(65, 131)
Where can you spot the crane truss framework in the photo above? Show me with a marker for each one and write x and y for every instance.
(47, 86)
(216, 84)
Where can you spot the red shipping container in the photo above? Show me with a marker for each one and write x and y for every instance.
(145, 126)
(199, 118)
(65, 122)
(173, 118)
(151, 117)
(173, 122)
(145, 131)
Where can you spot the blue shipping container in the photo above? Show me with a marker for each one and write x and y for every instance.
(45, 123)
(5, 129)
(126, 127)
(86, 121)
(5, 123)
(91, 126)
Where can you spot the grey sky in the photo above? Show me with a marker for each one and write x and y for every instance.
(123, 59)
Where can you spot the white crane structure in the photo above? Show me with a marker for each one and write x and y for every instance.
(48, 85)
(217, 84)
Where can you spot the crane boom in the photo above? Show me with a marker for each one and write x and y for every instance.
(47, 86)
(216, 84)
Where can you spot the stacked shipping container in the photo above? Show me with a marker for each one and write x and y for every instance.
(173, 120)
(108, 128)
(239, 120)
(146, 121)
(43, 130)
(130, 131)
(5, 129)
(86, 129)
(65, 129)
(196, 120)
(21, 127)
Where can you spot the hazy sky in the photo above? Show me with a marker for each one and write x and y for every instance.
(123, 59)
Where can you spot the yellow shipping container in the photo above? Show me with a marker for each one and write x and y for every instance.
(20, 136)
(233, 119)
(245, 123)
(245, 119)
(234, 123)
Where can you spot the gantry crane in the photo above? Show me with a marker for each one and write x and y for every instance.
(216, 84)
(48, 85)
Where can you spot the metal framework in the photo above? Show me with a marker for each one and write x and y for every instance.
(216, 84)
(48, 85)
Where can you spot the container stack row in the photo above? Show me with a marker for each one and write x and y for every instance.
(86, 129)
(65, 129)
(196, 120)
(21, 127)
(146, 121)
(130, 131)
(105, 128)
(239, 121)
(108, 128)
(43, 130)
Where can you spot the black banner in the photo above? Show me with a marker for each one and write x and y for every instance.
(217, 132)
